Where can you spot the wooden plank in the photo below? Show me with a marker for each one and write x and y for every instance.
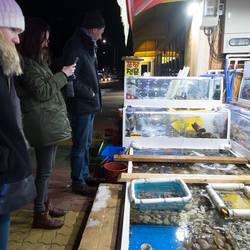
(102, 226)
(188, 178)
(107, 239)
(182, 158)
(240, 104)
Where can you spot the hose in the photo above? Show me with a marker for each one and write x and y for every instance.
(227, 81)
(232, 84)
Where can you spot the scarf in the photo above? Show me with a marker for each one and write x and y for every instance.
(89, 34)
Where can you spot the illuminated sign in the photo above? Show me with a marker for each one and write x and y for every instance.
(132, 68)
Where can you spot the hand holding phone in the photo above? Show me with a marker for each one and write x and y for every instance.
(76, 60)
(73, 75)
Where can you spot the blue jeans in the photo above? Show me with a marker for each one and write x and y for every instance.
(82, 128)
(4, 230)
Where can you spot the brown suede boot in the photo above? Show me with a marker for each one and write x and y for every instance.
(54, 212)
(43, 220)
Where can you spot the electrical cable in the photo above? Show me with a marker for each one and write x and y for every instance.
(212, 33)
(232, 83)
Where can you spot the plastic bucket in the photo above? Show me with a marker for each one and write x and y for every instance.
(108, 153)
(113, 170)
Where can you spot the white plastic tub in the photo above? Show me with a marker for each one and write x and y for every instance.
(159, 194)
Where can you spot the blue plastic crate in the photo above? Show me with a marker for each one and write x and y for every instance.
(157, 188)
(108, 153)
(103, 145)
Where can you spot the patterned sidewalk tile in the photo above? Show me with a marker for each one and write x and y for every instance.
(23, 236)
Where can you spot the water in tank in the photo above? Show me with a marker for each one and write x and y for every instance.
(173, 88)
(188, 123)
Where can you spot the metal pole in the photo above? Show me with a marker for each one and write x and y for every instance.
(114, 56)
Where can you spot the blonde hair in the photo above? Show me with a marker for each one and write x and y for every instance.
(9, 57)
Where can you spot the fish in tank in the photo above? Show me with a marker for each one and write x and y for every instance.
(240, 129)
(170, 88)
(159, 122)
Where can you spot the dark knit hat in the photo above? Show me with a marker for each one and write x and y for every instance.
(93, 19)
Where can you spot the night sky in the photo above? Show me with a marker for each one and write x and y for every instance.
(64, 16)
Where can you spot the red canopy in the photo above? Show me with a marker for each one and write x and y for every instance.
(136, 6)
(141, 5)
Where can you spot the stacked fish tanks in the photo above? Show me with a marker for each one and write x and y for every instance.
(184, 116)
(174, 112)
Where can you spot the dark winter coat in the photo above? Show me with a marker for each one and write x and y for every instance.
(87, 82)
(45, 119)
(17, 187)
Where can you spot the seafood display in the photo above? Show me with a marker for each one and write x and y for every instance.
(162, 122)
(188, 168)
(150, 195)
(245, 89)
(173, 88)
(240, 129)
(161, 194)
(206, 228)
(167, 111)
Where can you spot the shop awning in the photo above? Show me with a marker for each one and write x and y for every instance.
(142, 5)
(158, 26)
(131, 8)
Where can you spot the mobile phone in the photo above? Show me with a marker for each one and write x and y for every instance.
(76, 60)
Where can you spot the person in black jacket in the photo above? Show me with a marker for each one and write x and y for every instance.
(17, 187)
(87, 97)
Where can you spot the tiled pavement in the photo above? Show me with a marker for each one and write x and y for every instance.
(22, 235)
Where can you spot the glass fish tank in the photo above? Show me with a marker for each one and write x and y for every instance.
(162, 89)
(240, 129)
(167, 122)
(159, 108)
(244, 93)
(184, 117)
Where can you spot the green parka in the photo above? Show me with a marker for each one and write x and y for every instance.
(45, 119)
